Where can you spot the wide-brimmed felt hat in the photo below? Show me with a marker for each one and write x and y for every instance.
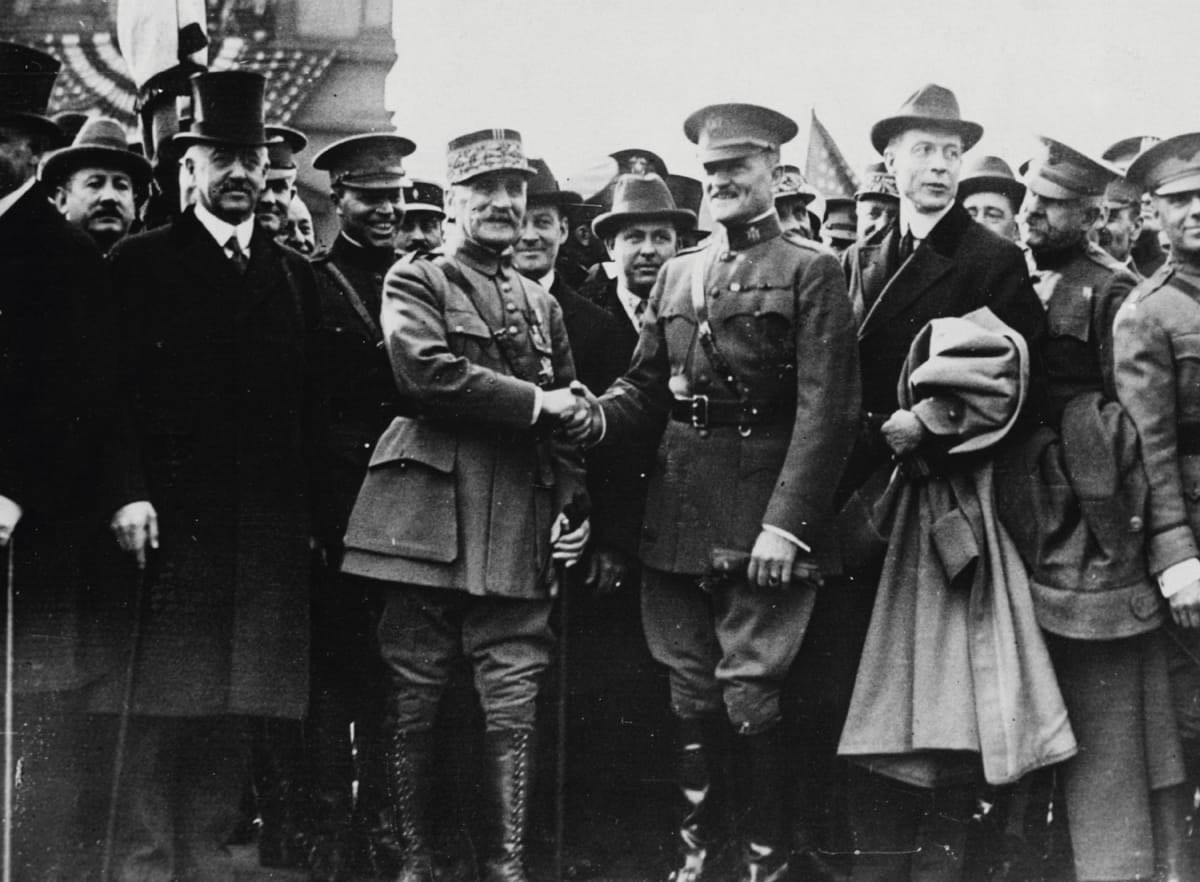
(487, 150)
(990, 174)
(371, 161)
(283, 143)
(1058, 171)
(792, 184)
(27, 78)
(227, 108)
(422, 195)
(931, 106)
(639, 161)
(1168, 167)
(731, 131)
(101, 143)
(641, 198)
(543, 188)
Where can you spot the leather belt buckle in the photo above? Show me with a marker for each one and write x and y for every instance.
(699, 411)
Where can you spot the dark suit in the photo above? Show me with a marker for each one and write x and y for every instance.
(221, 380)
(602, 291)
(54, 372)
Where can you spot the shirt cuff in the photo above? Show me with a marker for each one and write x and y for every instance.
(537, 404)
(1177, 576)
(803, 546)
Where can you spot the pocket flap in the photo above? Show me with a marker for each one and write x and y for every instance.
(1071, 316)
(416, 441)
(955, 542)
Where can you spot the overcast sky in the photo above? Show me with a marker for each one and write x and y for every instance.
(581, 78)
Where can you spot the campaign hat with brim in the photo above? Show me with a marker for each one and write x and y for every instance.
(930, 107)
(1169, 167)
(641, 198)
(421, 195)
(27, 78)
(732, 131)
(484, 152)
(638, 161)
(791, 184)
(283, 144)
(101, 143)
(1059, 171)
(371, 161)
(227, 108)
(990, 174)
(543, 188)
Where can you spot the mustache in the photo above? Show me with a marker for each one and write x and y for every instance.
(500, 217)
(106, 209)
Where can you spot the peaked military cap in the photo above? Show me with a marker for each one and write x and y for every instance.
(731, 131)
(878, 183)
(101, 143)
(1061, 172)
(544, 189)
(369, 162)
(285, 143)
(840, 222)
(931, 106)
(488, 150)
(227, 108)
(990, 174)
(421, 195)
(1170, 166)
(1126, 150)
(26, 80)
(641, 198)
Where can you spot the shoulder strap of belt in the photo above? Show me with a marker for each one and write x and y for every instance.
(355, 301)
(1186, 285)
(704, 328)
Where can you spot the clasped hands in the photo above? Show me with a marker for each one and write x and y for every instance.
(575, 411)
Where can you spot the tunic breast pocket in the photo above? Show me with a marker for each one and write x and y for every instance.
(1070, 315)
(468, 335)
(1186, 349)
(762, 318)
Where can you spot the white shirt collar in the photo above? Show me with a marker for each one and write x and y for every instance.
(221, 230)
(547, 281)
(610, 269)
(12, 198)
(920, 223)
(630, 301)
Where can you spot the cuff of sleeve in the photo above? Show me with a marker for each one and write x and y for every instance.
(939, 416)
(1176, 576)
(537, 404)
(799, 543)
(1171, 546)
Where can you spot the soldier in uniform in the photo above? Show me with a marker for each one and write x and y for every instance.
(277, 195)
(1155, 342)
(97, 182)
(424, 212)
(792, 200)
(1147, 252)
(366, 176)
(876, 201)
(747, 354)
(992, 195)
(468, 502)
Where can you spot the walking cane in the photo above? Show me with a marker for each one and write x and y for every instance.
(114, 793)
(9, 720)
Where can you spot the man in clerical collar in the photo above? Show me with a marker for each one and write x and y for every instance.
(731, 332)
(470, 500)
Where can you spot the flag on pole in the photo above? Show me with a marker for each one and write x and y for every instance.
(826, 168)
(161, 36)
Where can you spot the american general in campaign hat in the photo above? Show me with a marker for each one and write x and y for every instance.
(422, 195)
(26, 80)
(1169, 167)
(930, 107)
(372, 161)
(284, 143)
(227, 108)
(731, 131)
(483, 152)
(1057, 171)
(544, 190)
(641, 198)
(878, 183)
(990, 174)
(101, 143)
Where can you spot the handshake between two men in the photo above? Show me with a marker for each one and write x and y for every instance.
(576, 412)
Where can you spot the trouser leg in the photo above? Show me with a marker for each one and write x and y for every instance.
(145, 848)
(212, 763)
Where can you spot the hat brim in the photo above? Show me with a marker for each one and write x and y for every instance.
(427, 207)
(1186, 184)
(62, 163)
(1050, 190)
(560, 199)
(886, 129)
(604, 225)
(804, 199)
(41, 125)
(184, 140)
(1009, 187)
(529, 174)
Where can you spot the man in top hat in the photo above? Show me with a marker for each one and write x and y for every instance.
(366, 178)
(747, 354)
(1155, 349)
(424, 213)
(876, 200)
(839, 227)
(470, 499)
(992, 195)
(934, 262)
(212, 473)
(272, 209)
(54, 313)
(793, 197)
(98, 183)
(1148, 254)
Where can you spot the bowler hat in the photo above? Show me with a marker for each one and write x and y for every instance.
(641, 198)
(1170, 166)
(371, 161)
(990, 174)
(1061, 172)
(26, 80)
(544, 190)
(731, 131)
(422, 195)
(101, 143)
(227, 108)
(931, 106)
(488, 150)
(284, 143)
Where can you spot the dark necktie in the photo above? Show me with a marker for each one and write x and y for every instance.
(639, 310)
(236, 255)
(906, 246)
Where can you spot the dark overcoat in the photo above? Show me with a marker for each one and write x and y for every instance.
(54, 373)
(220, 375)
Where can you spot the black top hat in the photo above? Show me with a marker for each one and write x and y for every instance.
(227, 108)
(641, 197)
(26, 80)
(544, 190)
(101, 143)
(933, 106)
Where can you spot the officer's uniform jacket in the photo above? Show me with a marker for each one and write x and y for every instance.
(782, 321)
(463, 494)
(1157, 347)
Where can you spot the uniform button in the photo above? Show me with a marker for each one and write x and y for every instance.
(458, 328)
(1135, 524)
(366, 445)
(505, 287)
(512, 329)
(511, 307)
(702, 381)
(735, 287)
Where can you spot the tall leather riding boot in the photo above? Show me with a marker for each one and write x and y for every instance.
(701, 758)
(766, 852)
(409, 760)
(1169, 808)
(507, 781)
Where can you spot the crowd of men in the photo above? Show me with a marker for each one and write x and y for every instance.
(896, 497)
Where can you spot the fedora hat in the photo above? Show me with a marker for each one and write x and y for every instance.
(26, 80)
(990, 174)
(641, 197)
(101, 143)
(544, 190)
(227, 108)
(931, 106)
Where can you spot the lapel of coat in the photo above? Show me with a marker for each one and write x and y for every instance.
(200, 252)
(261, 275)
